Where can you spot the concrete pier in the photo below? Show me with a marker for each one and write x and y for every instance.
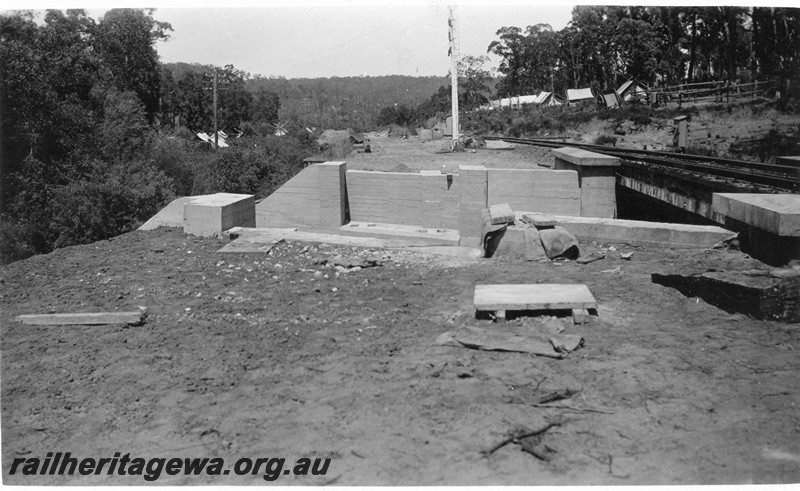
(596, 179)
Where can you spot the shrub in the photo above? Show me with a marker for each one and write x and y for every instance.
(605, 139)
(174, 156)
(114, 199)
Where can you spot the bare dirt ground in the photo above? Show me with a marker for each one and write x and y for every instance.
(255, 355)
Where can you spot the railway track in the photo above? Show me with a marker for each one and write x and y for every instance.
(781, 177)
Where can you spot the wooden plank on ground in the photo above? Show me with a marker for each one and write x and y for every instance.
(533, 297)
(94, 318)
(499, 214)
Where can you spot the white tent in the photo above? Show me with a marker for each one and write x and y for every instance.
(210, 139)
(547, 99)
(575, 95)
(631, 90)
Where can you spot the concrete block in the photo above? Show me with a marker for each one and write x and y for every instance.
(210, 215)
(501, 213)
(541, 190)
(557, 241)
(775, 213)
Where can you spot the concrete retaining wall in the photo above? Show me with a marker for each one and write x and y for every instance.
(539, 190)
(428, 200)
(314, 198)
(473, 190)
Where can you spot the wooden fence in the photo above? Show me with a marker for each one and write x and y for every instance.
(717, 91)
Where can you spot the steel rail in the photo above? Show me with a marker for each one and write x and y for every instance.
(775, 175)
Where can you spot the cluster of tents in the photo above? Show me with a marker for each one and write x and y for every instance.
(631, 90)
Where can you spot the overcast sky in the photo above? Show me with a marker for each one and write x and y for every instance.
(308, 38)
(322, 41)
(327, 39)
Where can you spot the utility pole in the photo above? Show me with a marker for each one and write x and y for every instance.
(216, 130)
(214, 77)
(454, 56)
(305, 102)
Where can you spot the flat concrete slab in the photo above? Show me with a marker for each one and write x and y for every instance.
(259, 240)
(263, 239)
(578, 156)
(533, 297)
(499, 145)
(776, 213)
(654, 234)
(432, 236)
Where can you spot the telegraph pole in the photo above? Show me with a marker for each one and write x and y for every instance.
(216, 131)
(305, 102)
(214, 77)
(454, 55)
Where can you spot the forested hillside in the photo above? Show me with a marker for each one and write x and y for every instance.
(347, 102)
(603, 46)
(96, 134)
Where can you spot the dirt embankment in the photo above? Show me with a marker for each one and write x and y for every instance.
(743, 131)
(252, 355)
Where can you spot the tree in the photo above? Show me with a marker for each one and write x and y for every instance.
(398, 114)
(195, 102)
(125, 41)
(234, 100)
(265, 106)
(776, 41)
(473, 81)
(437, 106)
(125, 132)
(511, 49)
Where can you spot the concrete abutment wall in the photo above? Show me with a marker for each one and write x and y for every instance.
(314, 198)
(327, 195)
